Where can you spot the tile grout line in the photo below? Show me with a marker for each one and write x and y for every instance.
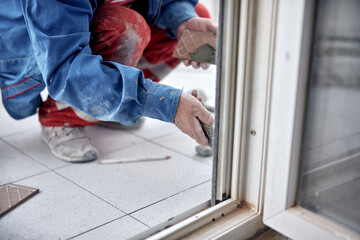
(122, 148)
(54, 171)
(133, 132)
(99, 226)
(173, 195)
(160, 136)
(166, 147)
(21, 179)
(178, 152)
(17, 133)
(90, 192)
(138, 220)
(32, 158)
(129, 214)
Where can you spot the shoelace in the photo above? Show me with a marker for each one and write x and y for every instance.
(72, 131)
(66, 131)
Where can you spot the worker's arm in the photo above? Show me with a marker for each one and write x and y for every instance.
(59, 33)
(173, 13)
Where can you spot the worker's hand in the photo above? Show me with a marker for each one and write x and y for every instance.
(196, 94)
(197, 24)
(189, 112)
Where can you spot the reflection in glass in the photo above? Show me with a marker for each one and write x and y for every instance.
(330, 156)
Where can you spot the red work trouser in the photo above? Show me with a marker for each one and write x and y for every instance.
(113, 29)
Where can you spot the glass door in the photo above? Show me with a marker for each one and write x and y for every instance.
(330, 155)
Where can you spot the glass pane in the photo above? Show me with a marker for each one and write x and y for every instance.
(330, 171)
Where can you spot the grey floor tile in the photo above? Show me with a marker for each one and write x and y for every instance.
(153, 128)
(10, 126)
(63, 209)
(123, 228)
(189, 78)
(131, 186)
(183, 144)
(60, 210)
(107, 140)
(14, 165)
(175, 205)
(30, 143)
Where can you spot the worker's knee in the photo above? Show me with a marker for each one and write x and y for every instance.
(119, 34)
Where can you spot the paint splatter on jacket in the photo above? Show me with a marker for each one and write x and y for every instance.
(45, 43)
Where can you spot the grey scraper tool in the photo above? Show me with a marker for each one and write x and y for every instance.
(209, 134)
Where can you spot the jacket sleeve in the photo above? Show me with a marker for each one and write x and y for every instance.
(59, 34)
(173, 13)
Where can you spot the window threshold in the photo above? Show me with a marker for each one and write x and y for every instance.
(226, 218)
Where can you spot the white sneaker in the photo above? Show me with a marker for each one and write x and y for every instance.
(69, 144)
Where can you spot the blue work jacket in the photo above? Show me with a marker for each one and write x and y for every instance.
(45, 43)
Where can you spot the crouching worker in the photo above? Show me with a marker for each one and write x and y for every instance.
(100, 61)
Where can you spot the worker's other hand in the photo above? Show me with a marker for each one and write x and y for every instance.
(197, 24)
(189, 112)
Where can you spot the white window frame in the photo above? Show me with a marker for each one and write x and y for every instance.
(263, 77)
(291, 62)
(245, 83)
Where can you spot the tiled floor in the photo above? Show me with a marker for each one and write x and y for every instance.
(93, 201)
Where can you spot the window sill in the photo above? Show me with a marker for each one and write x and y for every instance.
(225, 220)
(299, 223)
